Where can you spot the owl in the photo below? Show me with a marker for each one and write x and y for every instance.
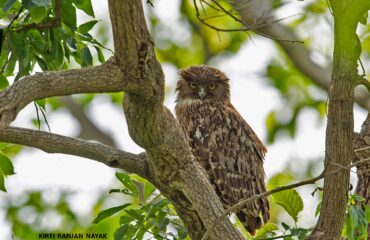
(222, 141)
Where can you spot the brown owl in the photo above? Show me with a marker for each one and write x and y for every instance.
(222, 141)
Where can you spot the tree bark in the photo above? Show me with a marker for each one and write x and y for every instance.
(339, 133)
(362, 152)
(175, 173)
(54, 143)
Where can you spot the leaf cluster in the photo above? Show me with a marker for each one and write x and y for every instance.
(148, 215)
(44, 34)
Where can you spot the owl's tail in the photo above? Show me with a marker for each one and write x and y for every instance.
(251, 223)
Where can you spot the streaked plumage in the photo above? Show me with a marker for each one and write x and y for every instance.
(222, 141)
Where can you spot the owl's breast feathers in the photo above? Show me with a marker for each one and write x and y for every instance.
(232, 154)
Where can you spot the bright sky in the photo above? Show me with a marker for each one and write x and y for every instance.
(251, 95)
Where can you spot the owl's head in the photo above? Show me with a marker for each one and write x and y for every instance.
(203, 83)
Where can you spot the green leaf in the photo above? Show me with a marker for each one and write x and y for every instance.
(126, 181)
(120, 233)
(101, 57)
(3, 82)
(136, 214)
(290, 200)
(69, 14)
(20, 47)
(86, 57)
(85, 5)
(285, 226)
(38, 14)
(148, 189)
(2, 181)
(109, 212)
(28, 4)
(41, 103)
(125, 219)
(6, 165)
(363, 18)
(86, 27)
(267, 228)
(318, 209)
(367, 212)
(8, 5)
(9, 69)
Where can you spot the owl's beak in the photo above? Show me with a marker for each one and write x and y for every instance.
(202, 93)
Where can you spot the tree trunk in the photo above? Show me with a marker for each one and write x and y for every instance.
(339, 133)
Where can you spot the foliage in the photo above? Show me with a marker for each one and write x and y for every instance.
(357, 219)
(147, 214)
(291, 201)
(26, 43)
(6, 165)
(198, 44)
(32, 212)
(298, 93)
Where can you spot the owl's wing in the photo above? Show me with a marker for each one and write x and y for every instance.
(236, 165)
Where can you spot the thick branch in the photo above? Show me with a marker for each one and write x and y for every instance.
(54, 143)
(252, 10)
(98, 79)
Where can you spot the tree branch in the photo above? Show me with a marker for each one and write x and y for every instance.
(56, 22)
(104, 78)
(365, 82)
(54, 143)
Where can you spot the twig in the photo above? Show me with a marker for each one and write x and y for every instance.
(45, 119)
(329, 7)
(276, 237)
(341, 166)
(362, 149)
(362, 67)
(363, 81)
(16, 17)
(56, 22)
(246, 28)
(242, 203)
(37, 115)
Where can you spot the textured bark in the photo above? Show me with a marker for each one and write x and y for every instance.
(104, 78)
(167, 163)
(174, 171)
(339, 133)
(362, 152)
(260, 10)
(54, 143)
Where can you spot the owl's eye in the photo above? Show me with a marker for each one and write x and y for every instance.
(193, 85)
(212, 86)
